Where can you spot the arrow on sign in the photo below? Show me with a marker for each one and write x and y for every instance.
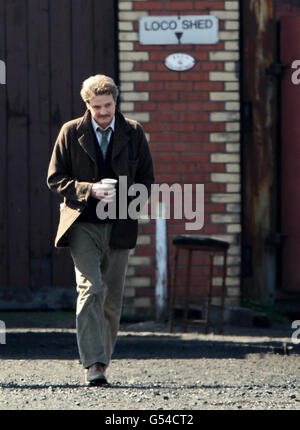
(179, 35)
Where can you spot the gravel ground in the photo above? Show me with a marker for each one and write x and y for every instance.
(153, 370)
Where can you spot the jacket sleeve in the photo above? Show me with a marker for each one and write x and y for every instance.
(145, 170)
(59, 179)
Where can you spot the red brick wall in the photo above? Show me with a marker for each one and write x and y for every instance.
(179, 113)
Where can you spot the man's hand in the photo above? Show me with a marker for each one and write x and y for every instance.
(105, 192)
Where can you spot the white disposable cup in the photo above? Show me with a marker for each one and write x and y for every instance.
(109, 181)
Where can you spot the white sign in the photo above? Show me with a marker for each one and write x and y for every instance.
(174, 30)
(179, 62)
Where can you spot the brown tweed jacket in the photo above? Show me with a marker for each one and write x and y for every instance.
(73, 169)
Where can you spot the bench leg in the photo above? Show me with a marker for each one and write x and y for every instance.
(173, 292)
(187, 290)
(207, 323)
(221, 315)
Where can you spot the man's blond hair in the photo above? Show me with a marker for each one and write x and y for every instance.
(98, 85)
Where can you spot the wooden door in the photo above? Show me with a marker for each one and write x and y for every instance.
(49, 47)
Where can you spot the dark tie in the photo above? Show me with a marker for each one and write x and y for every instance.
(104, 141)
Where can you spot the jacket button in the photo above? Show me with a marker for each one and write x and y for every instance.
(82, 199)
(78, 210)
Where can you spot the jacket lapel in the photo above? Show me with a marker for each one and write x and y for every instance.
(86, 137)
(121, 135)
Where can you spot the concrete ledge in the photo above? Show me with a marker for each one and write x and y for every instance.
(233, 315)
(245, 317)
(42, 299)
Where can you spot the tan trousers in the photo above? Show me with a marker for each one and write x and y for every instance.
(100, 276)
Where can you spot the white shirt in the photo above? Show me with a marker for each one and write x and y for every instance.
(98, 135)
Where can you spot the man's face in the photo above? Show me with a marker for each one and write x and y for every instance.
(102, 109)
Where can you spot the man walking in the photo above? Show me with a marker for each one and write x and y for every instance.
(101, 144)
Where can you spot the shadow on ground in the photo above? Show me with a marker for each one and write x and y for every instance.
(39, 345)
(51, 335)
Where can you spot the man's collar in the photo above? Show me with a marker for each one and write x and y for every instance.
(111, 125)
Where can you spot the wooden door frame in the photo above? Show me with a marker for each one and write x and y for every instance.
(259, 143)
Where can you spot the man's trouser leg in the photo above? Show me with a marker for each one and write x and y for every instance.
(100, 277)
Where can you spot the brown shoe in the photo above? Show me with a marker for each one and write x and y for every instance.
(94, 375)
